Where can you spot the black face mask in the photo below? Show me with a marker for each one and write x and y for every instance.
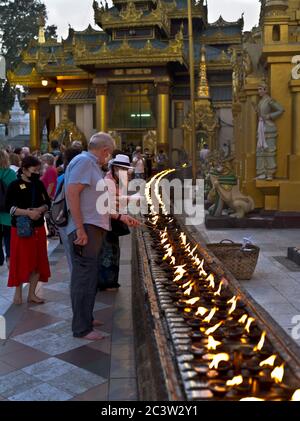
(34, 177)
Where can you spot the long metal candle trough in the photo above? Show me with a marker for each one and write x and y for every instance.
(199, 335)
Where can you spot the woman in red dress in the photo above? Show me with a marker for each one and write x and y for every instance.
(29, 263)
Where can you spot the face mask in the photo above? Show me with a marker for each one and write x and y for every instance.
(34, 177)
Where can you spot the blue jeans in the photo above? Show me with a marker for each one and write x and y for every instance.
(84, 279)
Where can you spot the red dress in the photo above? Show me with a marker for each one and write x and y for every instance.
(28, 255)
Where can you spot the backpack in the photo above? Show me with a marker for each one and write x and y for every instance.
(59, 212)
(3, 190)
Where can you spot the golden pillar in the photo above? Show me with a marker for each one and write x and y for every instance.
(34, 125)
(294, 161)
(101, 108)
(163, 115)
(295, 85)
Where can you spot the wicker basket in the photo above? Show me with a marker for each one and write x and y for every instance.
(240, 261)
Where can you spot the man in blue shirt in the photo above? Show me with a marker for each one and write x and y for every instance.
(86, 229)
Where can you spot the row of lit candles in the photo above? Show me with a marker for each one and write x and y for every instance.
(180, 270)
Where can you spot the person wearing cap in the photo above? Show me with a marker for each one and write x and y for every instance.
(109, 262)
(86, 230)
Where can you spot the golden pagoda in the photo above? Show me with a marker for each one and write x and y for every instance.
(131, 76)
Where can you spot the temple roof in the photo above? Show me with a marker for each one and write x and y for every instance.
(222, 22)
(83, 96)
(84, 51)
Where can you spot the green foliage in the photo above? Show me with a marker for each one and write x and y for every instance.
(7, 97)
(19, 24)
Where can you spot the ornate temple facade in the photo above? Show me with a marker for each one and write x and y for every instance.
(131, 77)
(272, 55)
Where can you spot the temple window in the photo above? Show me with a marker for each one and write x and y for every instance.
(276, 33)
(72, 113)
(133, 33)
(132, 106)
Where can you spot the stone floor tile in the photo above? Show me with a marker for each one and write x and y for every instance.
(9, 346)
(63, 287)
(24, 358)
(96, 394)
(104, 345)
(121, 368)
(33, 323)
(42, 392)
(122, 389)
(60, 310)
(122, 351)
(49, 369)
(16, 382)
(101, 367)
(5, 368)
(77, 381)
(81, 356)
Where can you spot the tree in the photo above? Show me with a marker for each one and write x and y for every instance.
(19, 24)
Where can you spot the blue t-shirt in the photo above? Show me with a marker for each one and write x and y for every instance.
(85, 169)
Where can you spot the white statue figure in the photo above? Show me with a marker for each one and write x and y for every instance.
(268, 110)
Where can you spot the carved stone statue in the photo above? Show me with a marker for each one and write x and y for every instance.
(225, 189)
(233, 198)
(268, 110)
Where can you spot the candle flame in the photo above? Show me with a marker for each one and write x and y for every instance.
(201, 311)
(192, 301)
(155, 220)
(183, 238)
(201, 270)
(251, 399)
(213, 329)
(237, 380)
(278, 373)
(243, 319)
(169, 253)
(193, 251)
(218, 292)
(249, 322)
(211, 280)
(180, 271)
(296, 395)
(233, 303)
(210, 315)
(217, 359)
(189, 290)
(269, 361)
(184, 286)
(212, 343)
(261, 343)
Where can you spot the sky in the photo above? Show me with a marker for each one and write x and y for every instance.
(79, 13)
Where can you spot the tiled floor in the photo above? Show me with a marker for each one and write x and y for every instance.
(275, 284)
(42, 361)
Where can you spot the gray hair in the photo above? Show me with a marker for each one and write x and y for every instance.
(101, 140)
(48, 158)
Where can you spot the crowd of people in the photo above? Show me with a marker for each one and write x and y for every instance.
(31, 181)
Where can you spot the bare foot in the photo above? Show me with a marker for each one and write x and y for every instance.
(35, 300)
(93, 336)
(97, 323)
(17, 301)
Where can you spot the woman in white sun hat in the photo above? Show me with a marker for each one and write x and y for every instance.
(109, 264)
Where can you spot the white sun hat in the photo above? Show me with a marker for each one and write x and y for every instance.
(122, 161)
